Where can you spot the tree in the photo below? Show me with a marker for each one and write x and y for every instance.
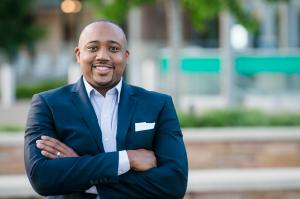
(115, 10)
(204, 10)
(17, 27)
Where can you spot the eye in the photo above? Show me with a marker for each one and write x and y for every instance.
(92, 48)
(114, 49)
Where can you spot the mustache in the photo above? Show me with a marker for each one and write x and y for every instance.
(104, 65)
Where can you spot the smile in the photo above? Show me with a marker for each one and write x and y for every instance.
(102, 68)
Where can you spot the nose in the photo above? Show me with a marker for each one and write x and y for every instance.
(102, 54)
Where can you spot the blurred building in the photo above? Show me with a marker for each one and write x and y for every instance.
(265, 66)
(53, 54)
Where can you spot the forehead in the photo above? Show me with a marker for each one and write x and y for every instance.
(102, 32)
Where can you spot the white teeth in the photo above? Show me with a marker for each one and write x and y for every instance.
(101, 66)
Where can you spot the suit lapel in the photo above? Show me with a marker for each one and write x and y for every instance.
(126, 108)
(82, 102)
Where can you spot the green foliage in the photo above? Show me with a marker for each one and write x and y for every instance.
(241, 16)
(115, 10)
(238, 117)
(277, 1)
(202, 11)
(16, 26)
(26, 91)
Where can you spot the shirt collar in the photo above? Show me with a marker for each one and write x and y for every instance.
(89, 89)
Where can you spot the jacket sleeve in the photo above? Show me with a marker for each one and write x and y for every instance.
(169, 178)
(61, 175)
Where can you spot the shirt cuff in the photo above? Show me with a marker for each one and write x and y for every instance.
(92, 190)
(124, 165)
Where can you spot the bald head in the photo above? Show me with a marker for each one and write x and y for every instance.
(100, 26)
(102, 54)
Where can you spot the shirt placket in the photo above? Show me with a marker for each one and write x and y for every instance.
(106, 124)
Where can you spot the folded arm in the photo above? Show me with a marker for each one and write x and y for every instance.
(54, 176)
(168, 179)
(61, 175)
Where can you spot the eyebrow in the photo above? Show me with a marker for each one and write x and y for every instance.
(109, 41)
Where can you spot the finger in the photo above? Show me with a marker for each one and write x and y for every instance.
(58, 144)
(49, 149)
(53, 145)
(53, 148)
(48, 155)
(68, 151)
(55, 142)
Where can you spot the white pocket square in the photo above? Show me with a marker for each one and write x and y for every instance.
(141, 126)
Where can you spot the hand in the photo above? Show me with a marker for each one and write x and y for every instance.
(141, 159)
(53, 148)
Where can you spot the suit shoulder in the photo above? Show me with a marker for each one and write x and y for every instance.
(141, 92)
(56, 91)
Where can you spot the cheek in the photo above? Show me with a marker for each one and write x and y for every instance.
(86, 58)
(120, 59)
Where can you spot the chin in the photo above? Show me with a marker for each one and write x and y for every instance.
(104, 83)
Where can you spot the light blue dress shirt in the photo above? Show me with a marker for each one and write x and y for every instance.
(106, 109)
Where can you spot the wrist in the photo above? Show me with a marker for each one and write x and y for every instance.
(130, 154)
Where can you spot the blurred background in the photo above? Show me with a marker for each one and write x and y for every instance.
(231, 66)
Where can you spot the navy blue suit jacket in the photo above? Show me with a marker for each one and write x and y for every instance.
(67, 114)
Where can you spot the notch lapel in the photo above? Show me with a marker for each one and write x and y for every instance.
(83, 103)
(126, 109)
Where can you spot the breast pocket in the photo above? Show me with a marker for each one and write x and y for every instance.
(140, 139)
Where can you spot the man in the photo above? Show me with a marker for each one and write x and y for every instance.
(100, 137)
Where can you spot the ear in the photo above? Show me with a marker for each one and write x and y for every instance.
(126, 56)
(77, 54)
(127, 53)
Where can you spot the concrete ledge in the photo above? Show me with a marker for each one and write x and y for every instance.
(15, 186)
(244, 180)
(12, 138)
(218, 180)
(241, 134)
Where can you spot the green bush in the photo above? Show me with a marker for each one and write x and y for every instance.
(11, 128)
(26, 91)
(285, 120)
(238, 117)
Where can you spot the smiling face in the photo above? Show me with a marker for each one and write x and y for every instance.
(102, 54)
